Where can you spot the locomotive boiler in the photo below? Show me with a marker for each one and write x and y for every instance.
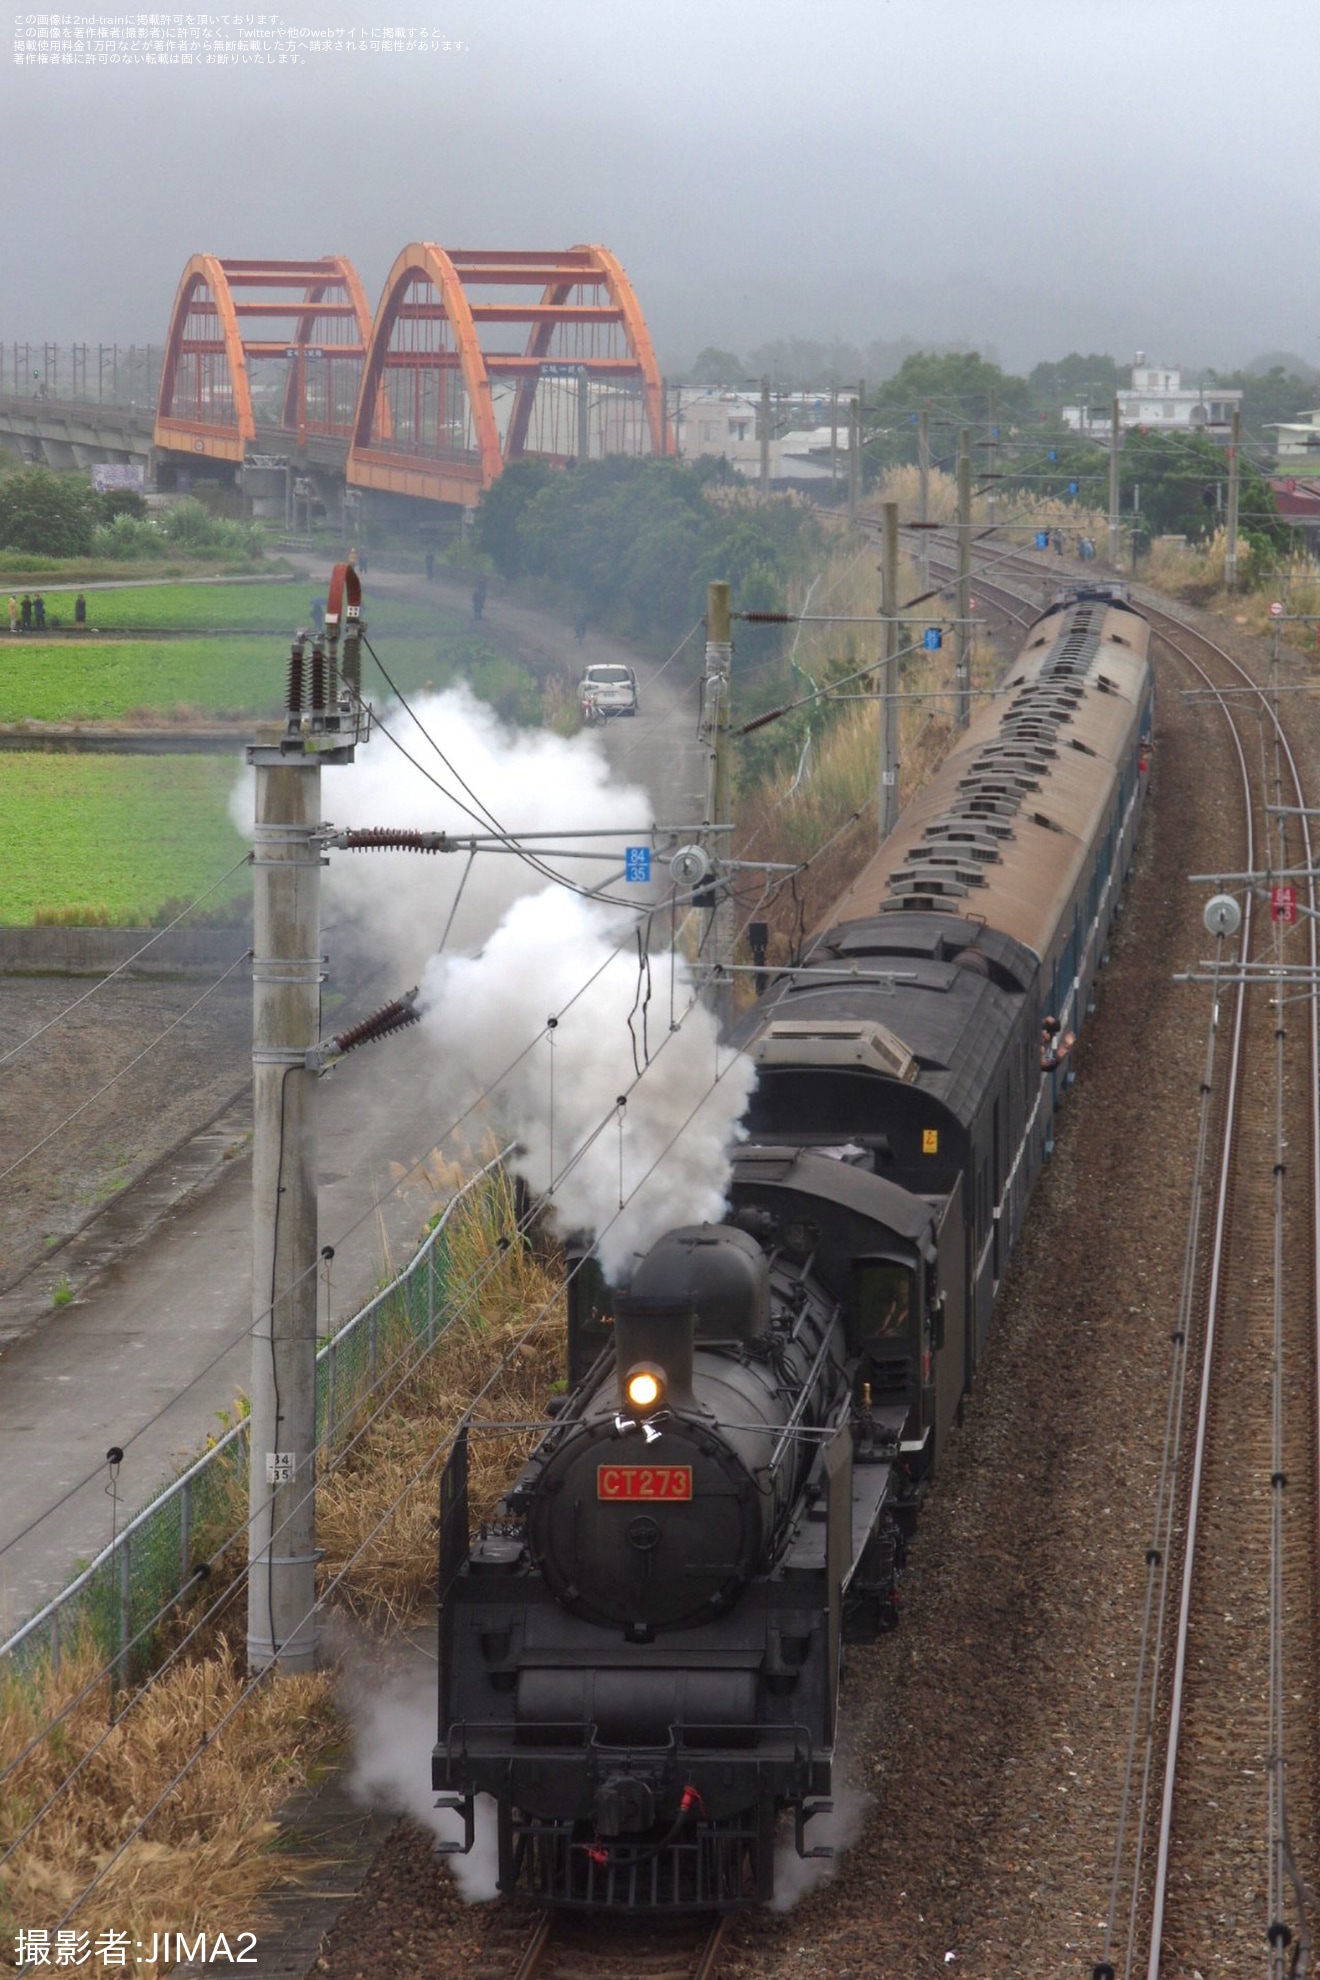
(640, 1656)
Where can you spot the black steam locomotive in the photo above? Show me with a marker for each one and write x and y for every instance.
(640, 1657)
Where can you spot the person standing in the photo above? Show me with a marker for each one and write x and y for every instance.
(39, 612)
(13, 613)
(25, 613)
(80, 610)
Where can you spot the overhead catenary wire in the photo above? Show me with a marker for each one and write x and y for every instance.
(427, 1465)
(127, 963)
(398, 1183)
(136, 1060)
(482, 812)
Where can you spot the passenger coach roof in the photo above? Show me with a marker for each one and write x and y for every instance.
(1002, 829)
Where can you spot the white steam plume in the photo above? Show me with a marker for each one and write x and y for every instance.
(481, 1011)
(396, 904)
(393, 1733)
(537, 944)
(796, 1875)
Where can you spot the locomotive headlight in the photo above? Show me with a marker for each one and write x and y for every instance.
(644, 1387)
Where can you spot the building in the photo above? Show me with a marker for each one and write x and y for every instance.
(1299, 442)
(727, 425)
(1158, 398)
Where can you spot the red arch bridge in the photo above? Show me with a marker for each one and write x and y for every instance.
(474, 358)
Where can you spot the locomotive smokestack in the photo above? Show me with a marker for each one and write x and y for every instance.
(655, 1336)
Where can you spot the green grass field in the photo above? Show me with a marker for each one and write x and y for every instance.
(144, 680)
(114, 836)
(277, 608)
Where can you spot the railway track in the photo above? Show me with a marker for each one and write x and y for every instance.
(560, 1946)
(1240, 1741)
(1221, 1824)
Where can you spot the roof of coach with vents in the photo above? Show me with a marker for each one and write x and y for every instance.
(1003, 829)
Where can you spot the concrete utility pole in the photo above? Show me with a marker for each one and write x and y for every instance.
(888, 807)
(962, 646)
(834, 438)
(765, 436)
(715, 701)
(286, 999)
(1234, 469)
(854, 457)
(991, 457)
(923, 463)
(1113, 483)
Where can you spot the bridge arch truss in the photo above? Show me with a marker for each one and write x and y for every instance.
(269, 349)
(482, 356)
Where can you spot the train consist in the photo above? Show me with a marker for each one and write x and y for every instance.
(640, 1657)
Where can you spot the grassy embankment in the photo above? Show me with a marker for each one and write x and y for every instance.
(110, 839)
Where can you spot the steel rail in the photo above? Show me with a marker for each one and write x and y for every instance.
(1191, 1524)
(534, 1954)
(1162, 621)
(530, 1962)
(1173, 631)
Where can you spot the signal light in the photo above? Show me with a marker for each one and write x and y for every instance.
(644, 1388)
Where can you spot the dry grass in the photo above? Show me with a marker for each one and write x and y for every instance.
(79, 915)
(1195, 572)
(516, 1292)
(205, 1857)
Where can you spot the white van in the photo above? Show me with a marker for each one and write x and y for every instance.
(606, 690)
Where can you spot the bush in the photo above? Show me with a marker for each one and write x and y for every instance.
(52, 515)
(127, 537)
(190, 526)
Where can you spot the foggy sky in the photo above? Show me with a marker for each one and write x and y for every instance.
(1026, 175)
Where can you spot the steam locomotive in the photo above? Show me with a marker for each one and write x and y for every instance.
(640, 1657)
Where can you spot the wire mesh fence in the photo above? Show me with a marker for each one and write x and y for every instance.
(116, 1601)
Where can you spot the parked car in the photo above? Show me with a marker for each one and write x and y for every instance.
(606, 690)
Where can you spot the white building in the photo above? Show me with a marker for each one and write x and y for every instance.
(727, 425)
(1157, 397)
(1300, 438)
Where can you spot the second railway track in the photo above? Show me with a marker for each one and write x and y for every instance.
(1221, 1845)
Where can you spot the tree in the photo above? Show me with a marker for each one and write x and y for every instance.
(634, 542)
(48, 515)
(1183, 479)
(716, 367)
(956, 387)
(500, 515)
(1068, 380)
(1268, 398)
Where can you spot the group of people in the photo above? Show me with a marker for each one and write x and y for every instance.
(30, 614)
